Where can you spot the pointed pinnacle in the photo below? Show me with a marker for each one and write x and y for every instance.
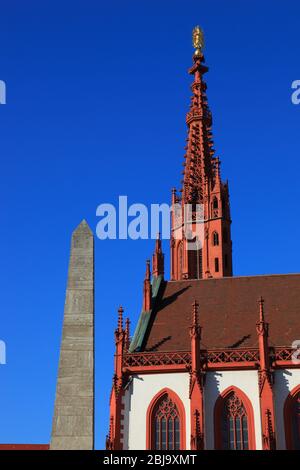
(127, 325)
(261, 309)
(127, 334)
(158, 243)
(120, 318)
(147, 275)
(195, 313)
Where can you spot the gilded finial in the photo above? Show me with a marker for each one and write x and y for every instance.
(198, 40)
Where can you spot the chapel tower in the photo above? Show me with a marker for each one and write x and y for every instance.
(204, 359)
(203, 205)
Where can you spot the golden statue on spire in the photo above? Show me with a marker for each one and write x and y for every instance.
(198, 40)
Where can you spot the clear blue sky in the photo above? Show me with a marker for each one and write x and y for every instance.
(96, 99)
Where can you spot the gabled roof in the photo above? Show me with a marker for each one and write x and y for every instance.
(228, 312)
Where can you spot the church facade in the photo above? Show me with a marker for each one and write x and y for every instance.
(213, 362)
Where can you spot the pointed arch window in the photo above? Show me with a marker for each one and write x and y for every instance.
(234, 426)
(215, 207)
(166, 422)
(292, 419)
(167, 425)
(215, 239)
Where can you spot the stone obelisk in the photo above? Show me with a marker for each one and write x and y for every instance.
(73, 420)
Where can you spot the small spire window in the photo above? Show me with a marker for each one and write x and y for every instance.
(215, 239)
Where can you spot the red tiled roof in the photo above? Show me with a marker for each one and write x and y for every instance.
(228, 312)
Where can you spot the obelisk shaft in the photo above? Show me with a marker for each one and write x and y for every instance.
(73, 421)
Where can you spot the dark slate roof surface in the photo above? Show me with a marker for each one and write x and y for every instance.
(228, 312)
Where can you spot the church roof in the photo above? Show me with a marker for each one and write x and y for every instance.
(228, 312)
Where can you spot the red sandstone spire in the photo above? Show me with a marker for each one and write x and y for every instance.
(158, 259)
(120, 319)
(196, 384)
(147, 289)
(262, 329)
(195, 325)
(201, 184)
(113, 441)
(119, 341)
(198, 162)
(127, 335)
(261, 310)
(195, 333)
(265, 381)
